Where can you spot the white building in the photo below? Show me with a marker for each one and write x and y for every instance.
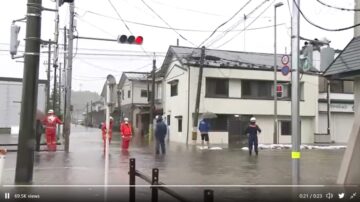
(235, 86)
(10, 102)
(135, 88)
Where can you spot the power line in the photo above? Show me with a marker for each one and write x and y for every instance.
(155, 26)
(125, 24)
(318, 26)
(338, 8)
(104, 31)
(236, 24)
(187, 9)
(118, 14)
(108, 69)
(222, 24)
(257, 17)
(166, 22)
(116, 55)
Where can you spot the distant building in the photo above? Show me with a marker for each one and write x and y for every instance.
(135, 88)
(10, 102)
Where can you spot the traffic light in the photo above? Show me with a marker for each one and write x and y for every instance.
(61, 2)
(14, 42)
(279, 90)
(306, 58)
(130, 39)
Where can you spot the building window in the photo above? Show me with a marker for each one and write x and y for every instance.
(122, 94)
(174, 89)
(217, 87)
(220, 123)
(265, 89)
(256, 89)
(144, 93)
(285, 127)
(179, 125)
(129, 93)
(168, 119)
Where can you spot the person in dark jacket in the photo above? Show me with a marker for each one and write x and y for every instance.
(252, 130)
(204, 128)
(160, 133)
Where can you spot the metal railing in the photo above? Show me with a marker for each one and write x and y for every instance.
(156, 185)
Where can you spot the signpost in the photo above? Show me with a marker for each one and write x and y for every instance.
(285, 69)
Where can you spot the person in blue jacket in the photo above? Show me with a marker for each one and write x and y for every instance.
(160, 133)
(204, 128)
(252, 131)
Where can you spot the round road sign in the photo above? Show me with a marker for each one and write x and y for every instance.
(285, 70)
(285, 59)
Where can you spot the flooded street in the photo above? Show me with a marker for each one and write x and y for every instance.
(231, 173)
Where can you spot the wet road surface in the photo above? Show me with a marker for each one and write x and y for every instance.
(188, 170)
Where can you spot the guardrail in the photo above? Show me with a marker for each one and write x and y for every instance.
(156, 185)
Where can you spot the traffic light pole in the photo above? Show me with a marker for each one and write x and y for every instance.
(67, 116)
(25, 154)
(295, 105)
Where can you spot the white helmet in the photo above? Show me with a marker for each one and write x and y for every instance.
(253, 119)
(50, 111)
(126, 119)
(111, 118)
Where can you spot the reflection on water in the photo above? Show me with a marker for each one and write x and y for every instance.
(182, 165)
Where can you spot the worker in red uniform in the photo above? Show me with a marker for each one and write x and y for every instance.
(126, 133)
(50, 122)
(103, 130)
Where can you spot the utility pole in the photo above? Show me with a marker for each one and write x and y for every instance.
(63, 73)
(59, 93)
(328, 105)
(67, 122)
(295, 117)
(54, 91)
(152, 100)
(26, 142)
(275, 138)
(91, 116)
(87, 115)
(198, 93)
(56, 54)
(119, 103)
(48, 78)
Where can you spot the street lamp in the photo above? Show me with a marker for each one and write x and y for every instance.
(275, 140)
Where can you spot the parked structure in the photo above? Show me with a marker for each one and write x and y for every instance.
(10, 102)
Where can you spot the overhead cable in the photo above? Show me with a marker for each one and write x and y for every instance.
(152, 10)
(257, 17)
(318, 26)
(338, 8)
(224, 23)
(237, 24)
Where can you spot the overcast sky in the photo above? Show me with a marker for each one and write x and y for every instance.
(193, 21)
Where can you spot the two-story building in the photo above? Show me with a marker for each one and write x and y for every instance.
(235, 86)
(135, 88)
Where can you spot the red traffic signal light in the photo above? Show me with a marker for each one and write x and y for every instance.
(130, 39)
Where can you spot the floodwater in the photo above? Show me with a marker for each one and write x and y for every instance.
(231, 173)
